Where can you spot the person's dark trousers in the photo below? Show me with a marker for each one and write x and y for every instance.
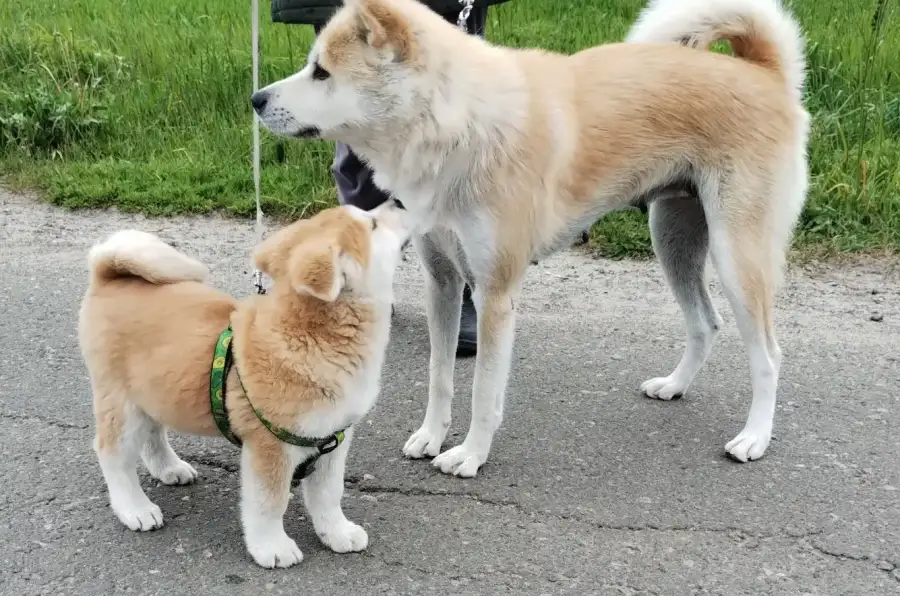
(355, 187)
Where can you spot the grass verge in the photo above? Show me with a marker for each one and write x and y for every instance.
(143, 106)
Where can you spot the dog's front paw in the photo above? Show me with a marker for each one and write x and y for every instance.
(460, 461)
(345, 537)
(140, 517)
(426, 441)
(275, 551)
(180, 472)
(750, 444)
(664, 388)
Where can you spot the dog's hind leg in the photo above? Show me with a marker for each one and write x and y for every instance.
(121, 431)
(744, 242)
(443, 304)
(161, 461)
(681, 243)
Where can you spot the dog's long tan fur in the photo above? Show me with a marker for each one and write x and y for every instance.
(501, 156)
(308, 353)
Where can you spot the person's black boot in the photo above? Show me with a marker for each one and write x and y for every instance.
(468, 327)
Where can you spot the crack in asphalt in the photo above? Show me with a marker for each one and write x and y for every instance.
(801, 537)
(47, 421)
(884, 566)
(356, 483)
(417, 492)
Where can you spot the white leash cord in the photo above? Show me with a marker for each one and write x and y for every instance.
(254, 17)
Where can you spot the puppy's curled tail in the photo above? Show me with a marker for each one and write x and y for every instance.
(132, 253)
(759, 31)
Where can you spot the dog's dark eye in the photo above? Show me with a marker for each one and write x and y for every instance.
(319, 73)
(374, 225)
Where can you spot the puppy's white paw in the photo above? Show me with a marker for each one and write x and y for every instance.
(180, 472)
(275, 551)
(664, 388)
(460, 461)
(345, 537)
(425, 441)
(140, 517)
(750, 444)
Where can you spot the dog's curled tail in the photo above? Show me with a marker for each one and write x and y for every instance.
(132, 253)
(759, 31)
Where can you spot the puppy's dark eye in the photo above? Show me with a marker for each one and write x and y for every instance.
(319, 73)
(374, 225)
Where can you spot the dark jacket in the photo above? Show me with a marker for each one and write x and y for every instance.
(316, 12)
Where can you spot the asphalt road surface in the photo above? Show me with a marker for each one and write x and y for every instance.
(590, 488)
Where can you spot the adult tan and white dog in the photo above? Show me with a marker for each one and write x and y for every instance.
(308, 356)
(502, 155)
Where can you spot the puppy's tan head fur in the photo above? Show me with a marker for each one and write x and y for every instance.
(342, 248)
(307, 253)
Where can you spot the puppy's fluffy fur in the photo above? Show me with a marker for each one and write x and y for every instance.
(309, 354)
(502, 155)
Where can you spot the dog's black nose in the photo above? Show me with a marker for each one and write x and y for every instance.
(259, 100)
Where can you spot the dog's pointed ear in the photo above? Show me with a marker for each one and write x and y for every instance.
(384, 27)
(271, 256)
(316, 270)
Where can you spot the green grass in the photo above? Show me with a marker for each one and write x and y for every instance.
(143, 105)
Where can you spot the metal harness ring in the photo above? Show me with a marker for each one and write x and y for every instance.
(464, 14)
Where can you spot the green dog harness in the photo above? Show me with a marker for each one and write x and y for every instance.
(223, 360)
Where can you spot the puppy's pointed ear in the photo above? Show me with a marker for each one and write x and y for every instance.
(316, 270)
(271, 256)
(384, 27)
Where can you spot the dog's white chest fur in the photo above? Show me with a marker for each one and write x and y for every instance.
(357, 392)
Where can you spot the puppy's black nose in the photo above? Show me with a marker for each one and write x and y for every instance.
(259, 100)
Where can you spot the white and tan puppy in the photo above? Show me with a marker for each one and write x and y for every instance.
(308, 355)
(501, 156)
